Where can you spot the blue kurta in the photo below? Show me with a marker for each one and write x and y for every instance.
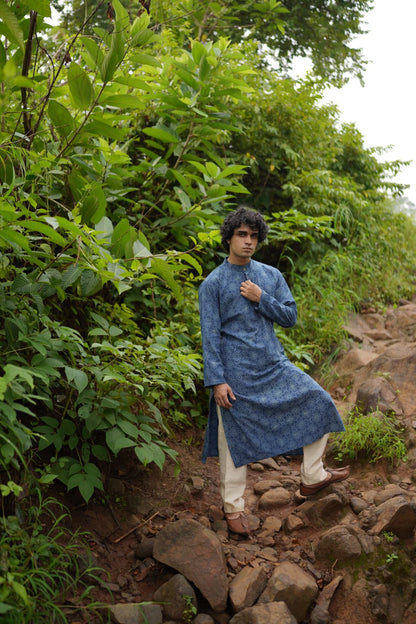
(278, 407)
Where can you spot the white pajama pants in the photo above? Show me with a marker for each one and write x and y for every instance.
(233, 480)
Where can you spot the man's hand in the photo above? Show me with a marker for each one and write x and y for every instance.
(222, 395)
(250, 291)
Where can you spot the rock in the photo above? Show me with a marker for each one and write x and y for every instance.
(136, 613)
(323, 510)
(197, 553)
(320, 613)
(355, 359)
(396, 515)
(197, 485)
(291, 584)
(203, 618)
(377, 394)
(277, 497)
(338, 543)
(266, 484)
(380, 601)
(358, 504)
(175, 596)
(294, 522)
(269, 463)
(145, 548)
(390, 491)
(272, 524)
(270, 613)
(246, 587)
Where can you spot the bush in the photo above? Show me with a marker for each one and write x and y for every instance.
(40, 568)
(375, 436)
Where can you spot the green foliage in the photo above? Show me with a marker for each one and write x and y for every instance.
(375, 437)
(40, 568)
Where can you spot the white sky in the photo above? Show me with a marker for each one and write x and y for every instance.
(384, 109)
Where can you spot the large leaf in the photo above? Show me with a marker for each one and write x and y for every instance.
(43, 7)
(80, 86)
(61, 118)
(9, 25)
(124, 101)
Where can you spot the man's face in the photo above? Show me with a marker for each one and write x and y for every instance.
(243, 244)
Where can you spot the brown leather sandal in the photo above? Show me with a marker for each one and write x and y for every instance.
(238, 523)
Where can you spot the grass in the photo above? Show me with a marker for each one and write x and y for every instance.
(375, 437)
(46, 572)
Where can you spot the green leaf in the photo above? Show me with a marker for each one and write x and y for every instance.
(89, 283)
(95, 53)
(116, 440)
(93, 206)
(39, 226)
(100, 128)
(40, 6)
(79, 378)
(198, 51)
(11, 238)
(124, 101)
(61, 118)
(113, 57)
(162, 268)
(80, 86)
(162, 135)
(10, 25)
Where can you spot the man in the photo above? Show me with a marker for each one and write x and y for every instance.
(261, 404)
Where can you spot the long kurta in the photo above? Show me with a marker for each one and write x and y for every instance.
(278, 407)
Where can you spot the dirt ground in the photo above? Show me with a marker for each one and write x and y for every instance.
(140, 501)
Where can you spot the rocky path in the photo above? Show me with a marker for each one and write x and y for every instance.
(345, 556)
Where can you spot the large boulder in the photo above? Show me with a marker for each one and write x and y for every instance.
(246, 587)
(196, 552)
(175, 596)
(270, 613)
(291, 584)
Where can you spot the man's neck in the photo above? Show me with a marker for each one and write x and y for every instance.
(239, 261)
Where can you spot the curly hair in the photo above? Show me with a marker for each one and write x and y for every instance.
(240, 216)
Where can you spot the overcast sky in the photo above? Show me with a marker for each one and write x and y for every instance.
(384, 109)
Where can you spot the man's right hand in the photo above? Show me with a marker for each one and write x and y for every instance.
(222, 395)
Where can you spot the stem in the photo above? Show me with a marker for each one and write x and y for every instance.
(55, 78)
(27, 117)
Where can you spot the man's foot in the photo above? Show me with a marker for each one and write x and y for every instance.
(334, 475)
(237, 523)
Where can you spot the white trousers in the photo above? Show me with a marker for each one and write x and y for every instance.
(233, 480)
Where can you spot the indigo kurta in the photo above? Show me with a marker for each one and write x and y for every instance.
(278, 407)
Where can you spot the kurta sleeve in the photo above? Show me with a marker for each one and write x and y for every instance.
(209, 310)
(279, 307)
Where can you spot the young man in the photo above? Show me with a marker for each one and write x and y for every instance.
(261, 404)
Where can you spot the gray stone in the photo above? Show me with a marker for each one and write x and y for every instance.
(291, 584)
(272, 524)
(338, 543)
(246, 587)
(323, 510)
(320, 613)
(175, 597)
(390, 491)
(358, 504)
(294, 523)
(136, 613)
(203, 618)
(265, 484)
(197, 553)
(270, 613)
(277, 497)
(396, 515)
(145, 548)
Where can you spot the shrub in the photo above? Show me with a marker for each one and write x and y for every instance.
(375, 436)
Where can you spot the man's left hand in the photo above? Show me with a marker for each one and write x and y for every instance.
(250, 291)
